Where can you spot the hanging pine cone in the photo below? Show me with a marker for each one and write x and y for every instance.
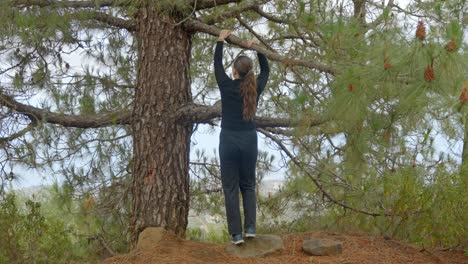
(421, 31)
(429, 73)
(351, 87)
(464, 94)
(387, 65)
(451, 46)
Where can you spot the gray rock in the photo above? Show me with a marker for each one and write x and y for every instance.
(259, 246)
(322, 247)
(148, 239)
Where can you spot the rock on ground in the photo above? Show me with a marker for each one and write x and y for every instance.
(148, 239)
(259, 246)
(322, 247)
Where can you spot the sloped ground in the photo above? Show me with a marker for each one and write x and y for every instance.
(357, 249)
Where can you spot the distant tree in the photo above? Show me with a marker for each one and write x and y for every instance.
(351, 78)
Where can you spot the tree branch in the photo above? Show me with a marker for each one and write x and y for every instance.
(98, 16)
(69, 4)
(360, 11)
(193, 113)
(110, 20)
(252, 31)
(379, 19)
(315, 179)
(18, 134)
(103, 242)
(205, 114)
(67, 120)
(270, 17)
(233, 12)
(196, 25)
(206, 4)
(403, 10)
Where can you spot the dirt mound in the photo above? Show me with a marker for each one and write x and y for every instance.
(356, 249)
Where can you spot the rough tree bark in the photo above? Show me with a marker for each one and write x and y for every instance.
(161, 144)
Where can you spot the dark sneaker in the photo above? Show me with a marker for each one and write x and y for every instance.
(237, 239)
(250, 232)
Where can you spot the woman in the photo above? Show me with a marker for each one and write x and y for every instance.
(238, 139)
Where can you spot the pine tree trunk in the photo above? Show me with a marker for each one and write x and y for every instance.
(464, 167)
(160, 191)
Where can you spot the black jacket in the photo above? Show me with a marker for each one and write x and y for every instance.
(231, 99)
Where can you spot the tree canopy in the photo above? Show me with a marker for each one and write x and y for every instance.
(361, 95)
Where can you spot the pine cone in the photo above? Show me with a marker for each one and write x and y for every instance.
(464, 95)
(387, 135)
(429, 73)
(421, 31)
(387, 65)
(351, 87)
(451, 46)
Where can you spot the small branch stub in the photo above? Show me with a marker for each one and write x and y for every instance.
(387, 64)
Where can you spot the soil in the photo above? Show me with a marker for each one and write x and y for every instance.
(357, 249)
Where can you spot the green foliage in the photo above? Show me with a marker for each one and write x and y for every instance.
(379, 155)
(424, 210)
(30, 236)
(377, 152)
(428, 214)
(57, 228)
(87, 105)
(214, 234)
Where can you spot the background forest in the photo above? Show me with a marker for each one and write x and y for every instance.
(366, 110)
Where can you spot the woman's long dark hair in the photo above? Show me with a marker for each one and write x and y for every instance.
(248, 86)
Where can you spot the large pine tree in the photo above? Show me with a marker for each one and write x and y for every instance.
(346, 68)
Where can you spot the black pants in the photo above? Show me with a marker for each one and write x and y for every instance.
(238, 152)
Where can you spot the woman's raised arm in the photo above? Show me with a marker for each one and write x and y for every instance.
(264, 68)
(262, 78)
(220, 74)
